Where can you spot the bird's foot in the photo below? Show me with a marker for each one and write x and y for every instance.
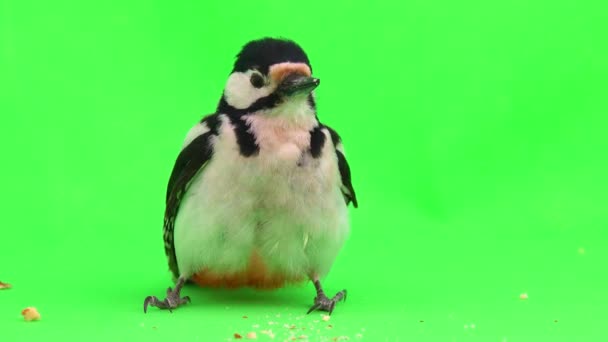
(172, 301)
(323, 303)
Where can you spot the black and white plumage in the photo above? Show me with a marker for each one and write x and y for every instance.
(258, 195)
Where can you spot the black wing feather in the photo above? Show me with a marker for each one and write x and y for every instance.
(349, 194)
(189, 162)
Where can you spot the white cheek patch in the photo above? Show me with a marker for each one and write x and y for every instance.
(239, 92)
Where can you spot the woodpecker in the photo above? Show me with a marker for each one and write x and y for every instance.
(259, 193)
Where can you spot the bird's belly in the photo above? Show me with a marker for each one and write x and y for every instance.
(255, 274)
(263, 223)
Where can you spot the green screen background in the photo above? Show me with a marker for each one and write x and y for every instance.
(476, 133)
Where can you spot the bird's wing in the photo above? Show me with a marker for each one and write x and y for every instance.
(196, 152)
(347, 187)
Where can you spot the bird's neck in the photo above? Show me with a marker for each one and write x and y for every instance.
(294, 114)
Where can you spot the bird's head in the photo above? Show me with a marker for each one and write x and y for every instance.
(270, 75)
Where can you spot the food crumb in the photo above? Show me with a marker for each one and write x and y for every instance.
(4, 286)
(303, 337)
(523, 296)
(245, 317)
(329, 326)
(30, 314)
(421, 321)
(326, 318)
(237, 336)
(252, 335)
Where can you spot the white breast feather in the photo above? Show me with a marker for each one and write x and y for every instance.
(293, 216)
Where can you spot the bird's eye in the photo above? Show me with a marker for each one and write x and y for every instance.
(257, 80)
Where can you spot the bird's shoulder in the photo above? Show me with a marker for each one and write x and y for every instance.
(336, 139)
(210, 124)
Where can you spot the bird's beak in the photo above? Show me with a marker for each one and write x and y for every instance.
(295, 84)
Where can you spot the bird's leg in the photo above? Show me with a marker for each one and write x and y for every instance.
(173, 299)
(322, 302)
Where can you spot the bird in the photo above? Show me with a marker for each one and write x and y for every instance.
(259, 193)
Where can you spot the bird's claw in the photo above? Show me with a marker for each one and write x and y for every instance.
(172, 301)
(323, 303)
